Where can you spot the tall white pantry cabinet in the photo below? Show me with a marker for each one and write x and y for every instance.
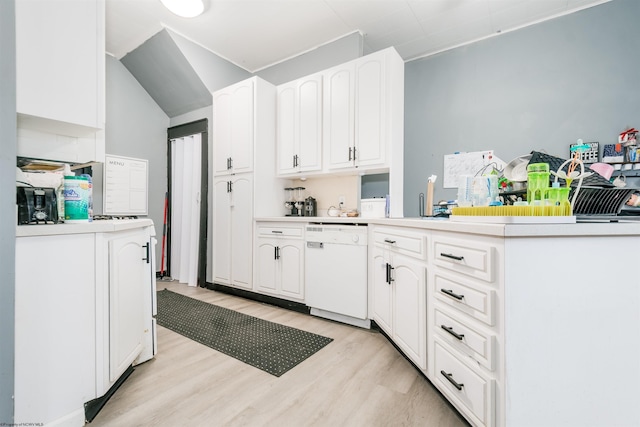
(244, 182)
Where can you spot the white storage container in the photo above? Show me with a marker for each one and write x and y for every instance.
(373, 208)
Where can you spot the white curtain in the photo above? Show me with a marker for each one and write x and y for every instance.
(185, 208)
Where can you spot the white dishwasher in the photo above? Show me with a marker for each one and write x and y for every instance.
(336, 272)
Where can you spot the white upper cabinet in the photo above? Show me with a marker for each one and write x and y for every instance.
(370, 111)
(233, 128)
(299, 128)
(360, 97)
(339, 100)
(60, 60)
(286, 128)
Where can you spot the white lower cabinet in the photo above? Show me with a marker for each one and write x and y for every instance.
(125, 256)
(381, 290)
(464, 323)
(409, 307)
(55, 341)
(470, 391)
(398, 285)
(128, 281)
(232, 237)
(83, 310)
(279, 261)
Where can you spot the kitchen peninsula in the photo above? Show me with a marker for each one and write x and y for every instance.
(84, 298)
(516, 324)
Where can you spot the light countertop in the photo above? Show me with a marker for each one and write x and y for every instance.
(488, 229)
(103, 226)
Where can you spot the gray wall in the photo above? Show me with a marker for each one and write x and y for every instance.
(376, 185)
(214, 71)
(539, 88)
(335, 53)
(137, 127)
(7, 210)
(164, 72)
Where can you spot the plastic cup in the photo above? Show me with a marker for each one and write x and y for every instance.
(537, 181)
(485, 190)
(464, 191)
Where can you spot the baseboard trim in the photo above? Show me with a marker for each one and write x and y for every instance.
(93, 407)
(267, 299)
(376, 327)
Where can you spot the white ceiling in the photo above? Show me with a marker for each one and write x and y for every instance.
(255, 34)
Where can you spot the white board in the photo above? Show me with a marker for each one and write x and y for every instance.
(456, 165)
(125, 185)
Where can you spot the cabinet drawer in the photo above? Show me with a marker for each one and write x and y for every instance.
(473, 393)
(290, 232)
(472, 300)
(469, 341)
(465, 257)
(412, 244)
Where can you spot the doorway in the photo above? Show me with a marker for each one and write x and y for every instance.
(185, 228)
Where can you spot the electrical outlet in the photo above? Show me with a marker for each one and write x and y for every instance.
(341, 200)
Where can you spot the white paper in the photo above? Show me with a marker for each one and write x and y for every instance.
(457, 165)
(125, 186)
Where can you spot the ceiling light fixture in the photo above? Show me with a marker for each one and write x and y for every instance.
(184, 8)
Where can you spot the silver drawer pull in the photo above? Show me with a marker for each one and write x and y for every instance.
(449, 378)
(451, 294)
(457, 258)
(450, 330)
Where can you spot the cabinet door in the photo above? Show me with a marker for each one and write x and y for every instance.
(60, 61)
(291, 268)
(310, 123)
(409, 308)
(221, 232)
(286, 128)
(381, 299)
(266, 277)
(370, 115)
(241, 231)
(128, 281)
(55, 327)
(242, 127)
(222, 102)
(338, 127)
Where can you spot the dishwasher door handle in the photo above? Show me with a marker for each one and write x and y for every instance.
(315, 245)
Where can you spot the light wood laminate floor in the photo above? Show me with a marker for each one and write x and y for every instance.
(359, 379)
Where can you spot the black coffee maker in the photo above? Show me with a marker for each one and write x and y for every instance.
(36, 205)
(310, 207)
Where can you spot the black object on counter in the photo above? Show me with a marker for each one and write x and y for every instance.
(36, 205)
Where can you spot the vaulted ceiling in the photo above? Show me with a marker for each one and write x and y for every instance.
(255, 34)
